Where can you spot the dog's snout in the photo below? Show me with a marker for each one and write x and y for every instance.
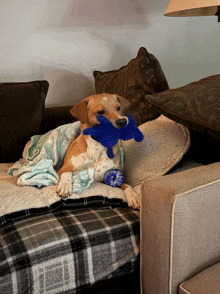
(122, 122)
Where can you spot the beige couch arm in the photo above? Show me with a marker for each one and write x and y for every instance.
(180, 227)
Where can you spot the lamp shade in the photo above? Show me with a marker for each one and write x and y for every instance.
(192, 7)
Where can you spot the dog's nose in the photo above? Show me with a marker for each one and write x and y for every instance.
(121, 122)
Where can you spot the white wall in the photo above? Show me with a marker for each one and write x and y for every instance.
(63, 41)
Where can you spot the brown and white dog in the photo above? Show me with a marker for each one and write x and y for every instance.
(85, 152)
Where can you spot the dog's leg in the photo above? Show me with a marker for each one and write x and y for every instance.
(64, 188)
(133, 198)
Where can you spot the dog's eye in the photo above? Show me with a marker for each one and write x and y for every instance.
(118, 108)
(101, 111)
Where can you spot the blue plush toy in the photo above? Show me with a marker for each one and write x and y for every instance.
(114, 178)
(106, 134)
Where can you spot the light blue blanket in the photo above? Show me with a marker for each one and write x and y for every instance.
(43, 156)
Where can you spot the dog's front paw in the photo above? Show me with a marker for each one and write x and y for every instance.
(133, 198)
(64, 188)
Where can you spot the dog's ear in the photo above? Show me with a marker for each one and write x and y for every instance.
(123, 103)
(80, 111)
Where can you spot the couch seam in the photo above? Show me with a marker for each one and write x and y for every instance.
(194, 189)
(185, 291)
(171, 243)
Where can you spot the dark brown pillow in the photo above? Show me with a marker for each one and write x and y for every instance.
(21, 109)
(54, 117)
(142, 75)
(196, 105)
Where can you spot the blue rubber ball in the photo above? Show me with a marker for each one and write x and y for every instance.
(114, 178)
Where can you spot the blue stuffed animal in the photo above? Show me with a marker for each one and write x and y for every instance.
(106, 134)
(114, 178)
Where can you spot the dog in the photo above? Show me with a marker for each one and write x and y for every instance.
(85, 151)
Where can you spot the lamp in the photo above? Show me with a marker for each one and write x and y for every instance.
(193, 8)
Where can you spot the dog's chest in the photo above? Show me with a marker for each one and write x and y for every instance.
(96, 157)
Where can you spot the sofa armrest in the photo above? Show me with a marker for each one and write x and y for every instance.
(180, 227)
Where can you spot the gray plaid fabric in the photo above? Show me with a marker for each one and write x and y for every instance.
(67, 250)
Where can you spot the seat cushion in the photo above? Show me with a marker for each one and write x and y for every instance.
(206, 282)
(68, 250)
(17, 202)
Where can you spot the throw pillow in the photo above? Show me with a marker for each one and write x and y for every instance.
(21, 110)
(196, 105)
(142, 75)
(163, 147)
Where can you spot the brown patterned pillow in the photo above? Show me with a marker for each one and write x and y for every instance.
(196, 105)
(142, 75)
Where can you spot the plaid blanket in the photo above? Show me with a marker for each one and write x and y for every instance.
(67, 250)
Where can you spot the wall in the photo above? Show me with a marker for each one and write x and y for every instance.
(64, 41)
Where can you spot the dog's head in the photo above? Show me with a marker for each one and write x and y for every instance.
(111, 106)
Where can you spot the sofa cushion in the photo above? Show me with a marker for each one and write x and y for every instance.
(21, 109)
(196, 105)
(163, 147)
(142, 75)
(17, 201)
(54, 117)
(205, 282)
(69, 250)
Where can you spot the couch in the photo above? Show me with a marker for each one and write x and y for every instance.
(97, 244)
